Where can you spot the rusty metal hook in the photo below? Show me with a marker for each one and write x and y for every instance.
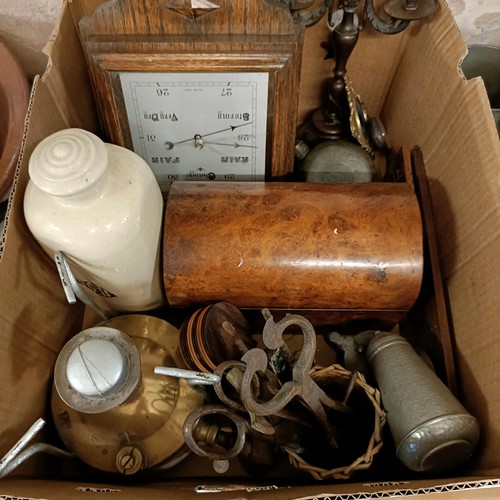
(233, 372)
(301, 386)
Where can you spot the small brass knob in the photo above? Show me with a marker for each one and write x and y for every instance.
(129, 460)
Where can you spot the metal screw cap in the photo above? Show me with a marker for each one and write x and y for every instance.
(301, 150)
(98, 369)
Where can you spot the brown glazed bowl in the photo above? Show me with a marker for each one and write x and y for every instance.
(14, 98)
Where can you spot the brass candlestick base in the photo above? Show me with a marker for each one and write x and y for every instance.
(331, 121)
(322, 127)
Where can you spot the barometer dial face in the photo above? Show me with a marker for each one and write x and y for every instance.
(198, 126)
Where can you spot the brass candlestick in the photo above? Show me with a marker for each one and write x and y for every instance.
(333, 120)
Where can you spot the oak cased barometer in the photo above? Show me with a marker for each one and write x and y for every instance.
(201, 90)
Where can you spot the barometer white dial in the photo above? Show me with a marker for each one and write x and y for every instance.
(198, 126)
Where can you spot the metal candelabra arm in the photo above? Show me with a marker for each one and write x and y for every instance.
(392, 26)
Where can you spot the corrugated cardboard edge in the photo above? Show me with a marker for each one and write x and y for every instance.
(3, 237)
(485, 489)
(453, 491)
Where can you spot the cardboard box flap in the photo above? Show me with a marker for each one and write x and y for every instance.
(483, 489)
(35, 317)
(430, 58)
(67, 76)
(461, 149)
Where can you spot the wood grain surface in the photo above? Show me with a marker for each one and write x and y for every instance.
(291, 245)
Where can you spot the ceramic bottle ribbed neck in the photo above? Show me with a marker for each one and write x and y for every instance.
(68, 162)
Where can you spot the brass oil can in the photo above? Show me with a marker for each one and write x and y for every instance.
(109, 407)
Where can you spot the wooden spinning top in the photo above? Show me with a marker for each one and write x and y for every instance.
(213, 334)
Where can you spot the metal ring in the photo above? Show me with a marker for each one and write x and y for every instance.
(191, 422)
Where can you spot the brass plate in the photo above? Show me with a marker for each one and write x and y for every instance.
(358, 117)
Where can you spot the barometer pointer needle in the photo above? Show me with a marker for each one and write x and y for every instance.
(233, 144)
(170, 145)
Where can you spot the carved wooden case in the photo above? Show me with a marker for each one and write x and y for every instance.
(172, 36)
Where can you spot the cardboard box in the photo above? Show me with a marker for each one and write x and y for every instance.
(414, 83)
